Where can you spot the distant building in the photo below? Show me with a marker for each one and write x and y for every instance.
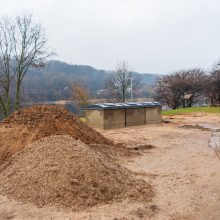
(102, 92)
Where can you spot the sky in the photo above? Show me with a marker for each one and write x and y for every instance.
(153, 36)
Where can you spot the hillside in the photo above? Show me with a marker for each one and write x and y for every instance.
(54, 81)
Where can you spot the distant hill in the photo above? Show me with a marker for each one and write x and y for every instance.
(149, 78)
(91, 73)
(54, 81)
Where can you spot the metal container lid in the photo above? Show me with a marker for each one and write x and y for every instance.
(124, 105)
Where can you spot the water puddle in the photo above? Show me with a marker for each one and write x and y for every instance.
(203, 127)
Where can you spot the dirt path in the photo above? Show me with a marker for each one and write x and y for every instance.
(183, 170)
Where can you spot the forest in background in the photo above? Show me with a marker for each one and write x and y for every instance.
(55, 81)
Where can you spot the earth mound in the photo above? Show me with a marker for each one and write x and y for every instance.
(61, 171)
(31, 124)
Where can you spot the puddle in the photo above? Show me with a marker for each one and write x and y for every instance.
(195, 127)
(203, 127)
(214, 143)
(211, 127)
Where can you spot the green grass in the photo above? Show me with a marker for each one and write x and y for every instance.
(192, 110)
(83, 119)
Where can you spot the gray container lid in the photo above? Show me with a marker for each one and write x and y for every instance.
(124, 105)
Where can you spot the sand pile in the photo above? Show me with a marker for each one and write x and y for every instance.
(31, 124)
(62, 171)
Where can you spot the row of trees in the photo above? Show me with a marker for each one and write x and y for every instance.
(183, 88)
(23, 45)
(187, 87)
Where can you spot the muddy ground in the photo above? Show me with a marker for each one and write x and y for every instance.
(177, 161)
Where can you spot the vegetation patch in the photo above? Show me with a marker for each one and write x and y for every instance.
(192, 110)
(82, 119)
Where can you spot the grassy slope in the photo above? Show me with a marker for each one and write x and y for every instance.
(192, 110)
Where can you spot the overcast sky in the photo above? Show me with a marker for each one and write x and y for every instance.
(156, 36)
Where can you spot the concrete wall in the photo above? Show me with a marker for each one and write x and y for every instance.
(114, 118)
(95, 118)
(120, 118)
(153, 115)
(135, 116)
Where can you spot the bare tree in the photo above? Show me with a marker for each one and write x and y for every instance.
(167, 91)
(213, 85)
(172, 89)
(123, 83)
(23, 45)
(6, 71)
(30, 49)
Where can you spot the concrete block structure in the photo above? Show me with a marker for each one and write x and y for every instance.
(134, 116)
(153, 115)
(119, 115)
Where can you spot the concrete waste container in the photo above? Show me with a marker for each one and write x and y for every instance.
(119, 115)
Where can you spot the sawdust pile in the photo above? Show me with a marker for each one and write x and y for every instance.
(31, 124)
(62, 171)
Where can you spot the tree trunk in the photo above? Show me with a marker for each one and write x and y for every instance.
(17, 97)
(123, 93)
(8, 106)
(3, 108)
(184, 104)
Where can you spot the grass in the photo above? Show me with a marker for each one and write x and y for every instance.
(192, 110)
(83, 119)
